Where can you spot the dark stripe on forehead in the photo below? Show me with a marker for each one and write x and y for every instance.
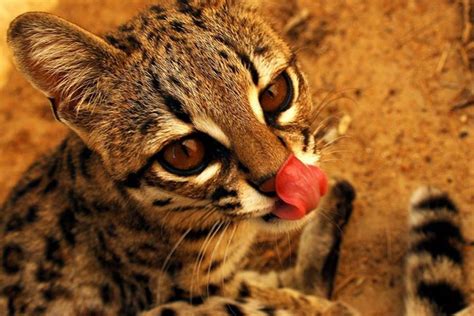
(173, 104)
(244, 58)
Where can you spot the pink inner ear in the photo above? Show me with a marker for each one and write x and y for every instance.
(299, 187)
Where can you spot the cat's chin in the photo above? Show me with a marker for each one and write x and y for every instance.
(270, 223)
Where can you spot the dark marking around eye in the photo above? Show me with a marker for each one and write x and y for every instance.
(176, 107)
(250, 66)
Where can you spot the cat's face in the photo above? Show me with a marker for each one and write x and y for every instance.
(190, 108)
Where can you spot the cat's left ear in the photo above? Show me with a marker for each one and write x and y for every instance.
(64, 61)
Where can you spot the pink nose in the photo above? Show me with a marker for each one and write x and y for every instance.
(299, 188)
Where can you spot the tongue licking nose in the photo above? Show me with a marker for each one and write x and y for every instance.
(299, 188)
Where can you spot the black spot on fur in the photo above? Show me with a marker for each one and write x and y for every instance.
(176, 107)
(178, 26)
(447, 299)
(167, 312)
(39, 310)
(441, 228)
(46, 275)
(229, 206)
(250, 66)
(15, 223)
(221, 193)
(67, 223)
(70, 166)
(126, 27)
(162, 202)
(51, 186)
(12, 292)
(132, 181)
(244, 290)
(105, 255)
(106, 293)
(32, 214)
(306, 134)
(233, 310)
(84, 157)
(52, 251)
(268, 310)
(224, 55)
(133, 43)
(12, 258)
(260, 50)
(146, 125)
(157, 9)
(155, 82)
(329, 268)
(437, 203)
(438, 248)
(213, 289)
(22, 190)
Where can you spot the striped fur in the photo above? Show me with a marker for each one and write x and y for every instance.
(434, 263)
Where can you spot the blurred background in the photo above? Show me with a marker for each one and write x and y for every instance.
(395, 78)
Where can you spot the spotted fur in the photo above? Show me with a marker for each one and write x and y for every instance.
(99, 227)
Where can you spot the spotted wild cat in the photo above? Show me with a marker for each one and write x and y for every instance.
(192, 131)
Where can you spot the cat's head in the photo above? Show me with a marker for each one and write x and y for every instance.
(193, 107)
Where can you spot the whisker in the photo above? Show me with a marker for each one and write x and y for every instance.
(212, 256)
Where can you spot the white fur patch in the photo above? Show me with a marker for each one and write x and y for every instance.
(252, 201)
(255, 104)
(209, 127)
(208, 173)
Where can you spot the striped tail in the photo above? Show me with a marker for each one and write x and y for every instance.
(434, 263)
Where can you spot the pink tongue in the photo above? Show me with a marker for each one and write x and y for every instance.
(299, 188)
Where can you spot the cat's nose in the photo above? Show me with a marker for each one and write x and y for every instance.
(268, 186)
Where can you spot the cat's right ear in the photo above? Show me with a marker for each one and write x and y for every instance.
(64, 61)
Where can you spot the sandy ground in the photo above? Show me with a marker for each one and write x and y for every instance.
(397, 70)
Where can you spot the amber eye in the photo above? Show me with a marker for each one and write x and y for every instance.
(277, 96)
(184, 157)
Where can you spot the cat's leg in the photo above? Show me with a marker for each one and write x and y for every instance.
(320, 243)
(257, 301)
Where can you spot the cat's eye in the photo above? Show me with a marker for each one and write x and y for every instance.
(184, 157)
(277, 96)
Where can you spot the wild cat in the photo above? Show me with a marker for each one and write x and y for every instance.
(192, 130)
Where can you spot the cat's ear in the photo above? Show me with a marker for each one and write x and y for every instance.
(62, 60)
